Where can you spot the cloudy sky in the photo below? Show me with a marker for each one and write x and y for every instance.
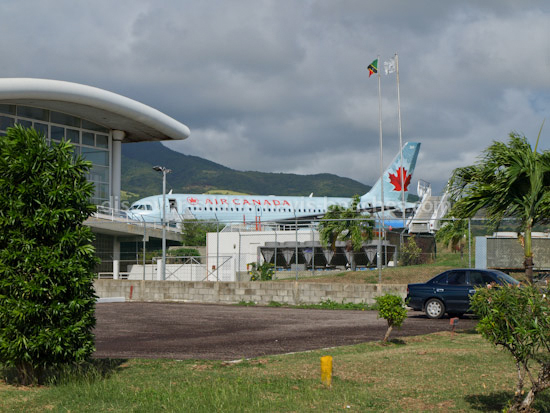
(283, 86)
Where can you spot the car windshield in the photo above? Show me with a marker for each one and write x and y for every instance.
(505, 278)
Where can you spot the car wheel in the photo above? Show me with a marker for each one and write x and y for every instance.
(434, 308)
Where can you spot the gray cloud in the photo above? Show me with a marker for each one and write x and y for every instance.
(282, 85)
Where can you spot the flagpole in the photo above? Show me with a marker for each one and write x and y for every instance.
(400, 138)
(379, 260)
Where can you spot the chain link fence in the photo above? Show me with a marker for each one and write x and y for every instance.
(295, 250)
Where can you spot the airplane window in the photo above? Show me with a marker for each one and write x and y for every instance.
(210, 208)
(250, 209)
(149, 208)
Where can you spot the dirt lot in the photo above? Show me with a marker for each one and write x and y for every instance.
(221, 332)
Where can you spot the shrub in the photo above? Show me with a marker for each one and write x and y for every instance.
(47, 298)
(518, 320)
(194, 232)
(392, 309)
(411, 254)
(263, 272)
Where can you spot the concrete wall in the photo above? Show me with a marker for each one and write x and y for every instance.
(290, 292)
(507, 253)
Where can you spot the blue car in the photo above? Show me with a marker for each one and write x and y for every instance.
(450, 291)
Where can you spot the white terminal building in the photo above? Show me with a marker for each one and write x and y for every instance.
(97, 122)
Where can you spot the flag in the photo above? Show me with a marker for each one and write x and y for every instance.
(389, 66)
(373, 67)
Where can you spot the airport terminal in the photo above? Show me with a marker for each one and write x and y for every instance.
(97, 122)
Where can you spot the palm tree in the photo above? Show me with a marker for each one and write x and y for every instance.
(346, 224)
(453, 234)
(510, 180)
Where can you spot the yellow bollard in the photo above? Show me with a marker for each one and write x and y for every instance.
(326, 370)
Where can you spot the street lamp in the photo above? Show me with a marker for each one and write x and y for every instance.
(164, 172)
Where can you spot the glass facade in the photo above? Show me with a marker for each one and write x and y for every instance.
(90, 140)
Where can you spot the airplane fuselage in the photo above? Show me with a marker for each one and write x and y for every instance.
(388, 193)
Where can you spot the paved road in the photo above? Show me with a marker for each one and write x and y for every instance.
(222, 332)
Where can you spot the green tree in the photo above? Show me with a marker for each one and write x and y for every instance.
(392, 309)
(518, 320)
(194, 232)
(47, 299)
(510, 180)
(411, 253)
(453, 234)
(346, 224)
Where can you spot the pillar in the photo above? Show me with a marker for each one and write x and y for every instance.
(117, 136)
(116, 258)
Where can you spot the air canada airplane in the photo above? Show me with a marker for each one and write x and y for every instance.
(271, 208)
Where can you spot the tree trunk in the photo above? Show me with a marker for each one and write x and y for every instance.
(388, 332)
(528, 263)
(542, 383)
(26, 373)
(526, 403)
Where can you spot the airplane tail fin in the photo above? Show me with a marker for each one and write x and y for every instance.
(397, 173)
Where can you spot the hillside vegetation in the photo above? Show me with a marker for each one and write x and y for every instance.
(192, 174)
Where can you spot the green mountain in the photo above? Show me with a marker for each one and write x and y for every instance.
(191, 174)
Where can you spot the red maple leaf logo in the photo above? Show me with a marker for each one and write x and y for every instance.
(192, 200)
(395, 180)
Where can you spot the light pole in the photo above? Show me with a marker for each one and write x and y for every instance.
(164, 172)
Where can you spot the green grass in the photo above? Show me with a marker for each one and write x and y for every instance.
(417, 374)
(396, 275)
(445, 260)
(327, 304)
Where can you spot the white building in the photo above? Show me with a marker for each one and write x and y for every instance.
(97, 122)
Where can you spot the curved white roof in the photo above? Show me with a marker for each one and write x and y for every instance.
(139, 121)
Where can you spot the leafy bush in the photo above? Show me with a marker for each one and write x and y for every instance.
(518, 320)
(179, 252)
(263, 272)
(47, 298)
(194, 232)
(392, 309)
(411, 254)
